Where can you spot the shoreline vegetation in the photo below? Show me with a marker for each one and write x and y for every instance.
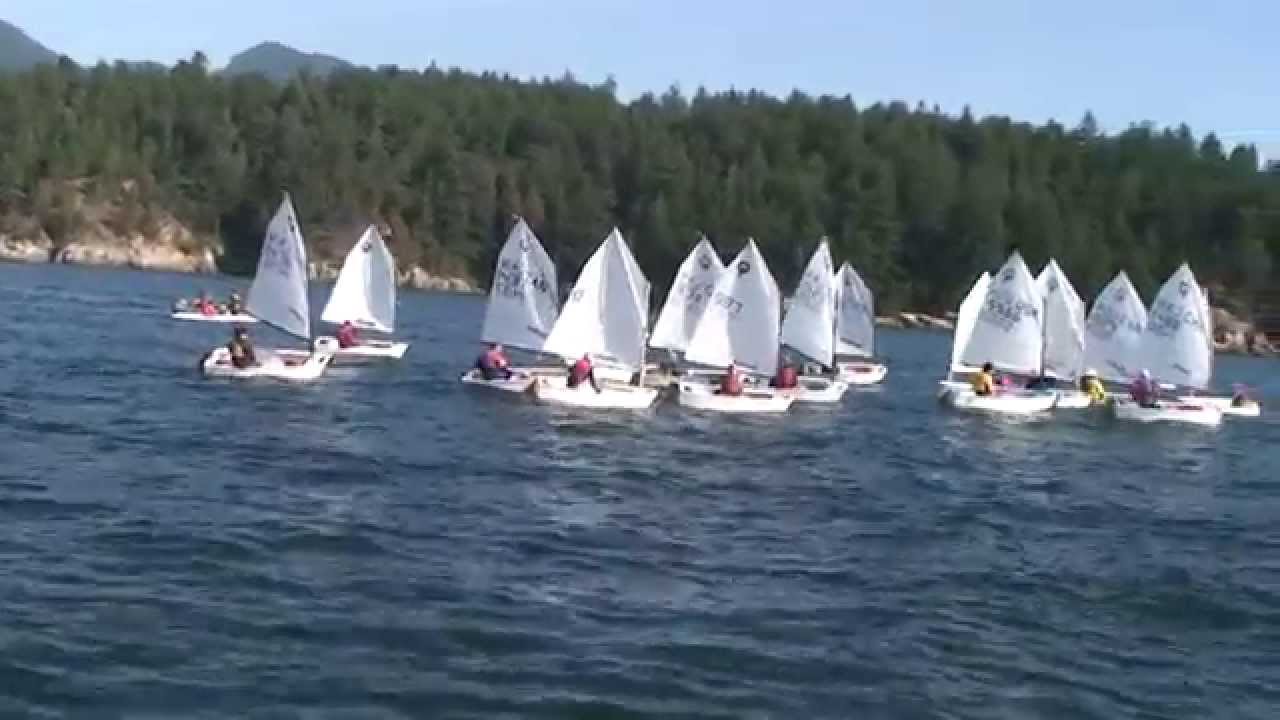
(179, 168)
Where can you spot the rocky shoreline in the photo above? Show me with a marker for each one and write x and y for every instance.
(174, 249)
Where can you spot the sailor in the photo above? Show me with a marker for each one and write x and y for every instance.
(242, 355)
(348, 335)
(1144, 390)
(984, 382)
(786, 379)
(493, 364)
(234, 306)
(731, 384)
(582, 371)
(1092, 386)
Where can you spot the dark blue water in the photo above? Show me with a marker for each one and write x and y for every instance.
(387, 543)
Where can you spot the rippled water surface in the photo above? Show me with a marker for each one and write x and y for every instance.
(388, 543)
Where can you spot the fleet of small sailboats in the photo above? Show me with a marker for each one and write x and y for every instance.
(723, 320)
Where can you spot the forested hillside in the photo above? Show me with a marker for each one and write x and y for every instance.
(919, 201)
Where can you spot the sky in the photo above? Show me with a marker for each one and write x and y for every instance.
(1210, 64)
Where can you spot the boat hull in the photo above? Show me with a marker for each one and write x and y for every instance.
(556, 391)
(817, 390)
(1178, 411)
(1005, 403)
(519, 382)
(1073, 400)
(703, 396)
(271, 364)
(1225, 406)
(371, 350)
(224, 318)
(861, 373)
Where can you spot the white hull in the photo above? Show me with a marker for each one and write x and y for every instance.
(702, 396)
(371, 350)
(1180, 411)
(1005, 403)
(861, 373)
(1223, 404)
(217, 363)
(218, 318)
(556, 391)
(519, 381)
(1073, 400)
(817, 390)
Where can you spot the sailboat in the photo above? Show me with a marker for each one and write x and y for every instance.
(740, 327)
(522, 307)
(1177, 349)
(606, 317)
(1113, 332)
(1008, 333)
(1227, 404)
(278, 297)
(809, 328)
(966, 319)
(1064, 323)
(365, 295)
(855, 330)
(688, 298)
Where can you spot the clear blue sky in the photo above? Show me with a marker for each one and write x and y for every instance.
(1212, 65)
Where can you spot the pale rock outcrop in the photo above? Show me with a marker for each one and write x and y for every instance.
(32, 247)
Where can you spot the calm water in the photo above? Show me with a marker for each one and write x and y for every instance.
(388, 543)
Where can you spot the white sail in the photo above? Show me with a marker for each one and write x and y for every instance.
(967, 318)
(523, 301)
(1113, 332)
(365, 292)
(1009, 330)
(1064, 319)
(742, 321)
(809, 326)
(1176, 342)
(278, 295)
(606, 312)
(695, 282)
(855, 315)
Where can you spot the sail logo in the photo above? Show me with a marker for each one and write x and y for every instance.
(695, 294)
(511, 279)
(1006, 277)
(810, 294)
(732, 306)
(365, 248)
(1006, 312)
(744, 267)
(704, 262)
(1167, 319)
(1184, 288)
(276, 255)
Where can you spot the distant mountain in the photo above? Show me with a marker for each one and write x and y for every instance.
(281, 62)
(19, 52)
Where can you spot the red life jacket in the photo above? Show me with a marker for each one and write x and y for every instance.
(732, 384)
(786, 378)
(580, 371)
